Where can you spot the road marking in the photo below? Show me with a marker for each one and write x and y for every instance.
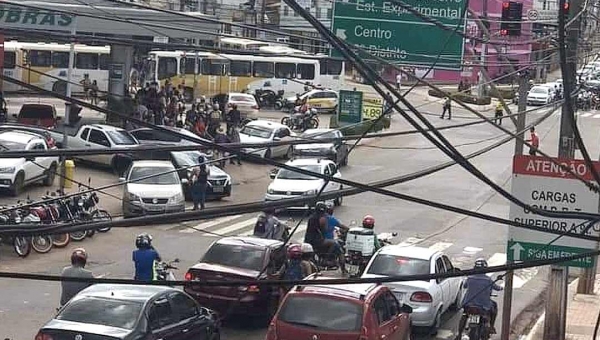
(597, 116)
(444, 334)
(497, 259)
(587, 114)
(472, 250)
(217, 221)
(520, 277)
(236, 226)
(441, 246)
(411, 241)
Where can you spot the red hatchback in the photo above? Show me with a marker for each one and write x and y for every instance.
(341, 312)
(43, 115)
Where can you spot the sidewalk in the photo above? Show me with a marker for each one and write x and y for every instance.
(582, 312)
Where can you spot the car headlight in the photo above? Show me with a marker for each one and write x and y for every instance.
(311, 192)
(134, 198)
(228, 181)
(8, 170)
(270, 191)
(178, 198)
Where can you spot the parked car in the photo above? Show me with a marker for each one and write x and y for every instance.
(43, 115)
(53, 138)
(232, 259)
(262, 131)
(335, 151)
(152, 187)
(429, 299)
(325, 101)
(105, 311)
(245, 102)
(15, 173)
(347, 311)
(289, 184)
(540, 95)
(105, 136)
(153, 136)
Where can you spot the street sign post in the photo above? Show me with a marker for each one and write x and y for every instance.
(392, 33)
(542, 184)
(350, 107)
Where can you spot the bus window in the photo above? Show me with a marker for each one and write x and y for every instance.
(103, 61)
(306, 71)
(190, 65)
(167, 67)
(334, 67)
(213, 67)
(40, 58)
(86, 61)
(285, 70)
(264, 69)
(241, 68)
(10, 59)
(60, 59)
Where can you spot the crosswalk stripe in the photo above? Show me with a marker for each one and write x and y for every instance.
(410, 242)
(471, 250)
(217, 221)
(440, 246)
(236, 226)
(597, 116)
(497, 259)
(587, 114)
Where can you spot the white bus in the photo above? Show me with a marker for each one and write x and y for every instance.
(40, 64)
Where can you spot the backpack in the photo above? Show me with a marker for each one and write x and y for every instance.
(293, 271)
(261, 226)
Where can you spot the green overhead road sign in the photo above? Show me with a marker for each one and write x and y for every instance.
(392, 33)
(350, 107)
(525, 251)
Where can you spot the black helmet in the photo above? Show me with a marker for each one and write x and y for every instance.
(321, 207)
(143, 240)
(481, 263)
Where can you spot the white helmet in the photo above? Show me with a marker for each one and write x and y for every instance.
(307, 248)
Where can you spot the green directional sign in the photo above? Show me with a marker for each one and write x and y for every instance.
(350, 107)
(389, 32)
(526, 251)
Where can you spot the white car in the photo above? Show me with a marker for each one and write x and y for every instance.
(290, 184)
(540, 95)
(246, 104)
(323, 100)
(15, 173)
(262, 131)
(145, 194)
(429, 299)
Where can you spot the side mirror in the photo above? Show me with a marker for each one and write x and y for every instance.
(276, 138)
(272, 175)
(176, 260)
(406, 309)
(184, 181)
(122, 179)
(394, 234)
(30, 159)
(14, 115)
(58, 118)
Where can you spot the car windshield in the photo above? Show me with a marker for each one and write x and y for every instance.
(391, 265)
(9, 145)
(167, 175)
(235, 255)
(256, 131)
(288, 174)
(242, 99)
(319, 135)
(121, 137)
(539, 90)
(187, 158)
(36, 112)
(106, 312)
(341, 315)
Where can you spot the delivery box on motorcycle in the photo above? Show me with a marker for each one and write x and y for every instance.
(361, 240)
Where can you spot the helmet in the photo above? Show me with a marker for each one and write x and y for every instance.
(143, 240)
(307, 248)
(368, 222)
(215, 106)
(481, 263)
(79, 256)
(294, 251)
(321, 207)
(329, 208)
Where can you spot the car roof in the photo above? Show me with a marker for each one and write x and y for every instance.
(249, 240)
(266, 123)
(139, 293)
(107, 127)
(151, 163)
(308, 161)
(22, 137)
(241, 94)
(316, 131)
(357, 291)
(38, 105)
(414, 252)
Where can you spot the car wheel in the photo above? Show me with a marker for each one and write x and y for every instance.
(272, 307)
(290, 153)
(17, 186)
(268, 154)
(50, 175)
(437, 323)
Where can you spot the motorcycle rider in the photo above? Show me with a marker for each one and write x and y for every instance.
(332, 223)
(215, 120)
(369, 223)
(268, 226)
(292, 269)
(144, 258)
(76, 269)
(308, 259)
(315, 231)
(479, 291)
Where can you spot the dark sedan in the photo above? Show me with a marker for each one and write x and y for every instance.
(238, 258)
(336, 150)
(131, 312)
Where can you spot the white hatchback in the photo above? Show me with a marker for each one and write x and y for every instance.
(246, 104)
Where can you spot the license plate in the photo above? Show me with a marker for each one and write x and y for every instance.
(352, 269)
(152, 208)
(218, 189)
(473, 318)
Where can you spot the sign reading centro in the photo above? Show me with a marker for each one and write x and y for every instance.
(19, 16)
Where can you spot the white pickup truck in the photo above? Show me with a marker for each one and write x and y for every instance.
(96, 136)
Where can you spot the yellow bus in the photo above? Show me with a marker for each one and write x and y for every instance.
(33, 63)
(210, 74)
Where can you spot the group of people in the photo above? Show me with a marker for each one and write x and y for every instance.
(160, 105)
(90, 89)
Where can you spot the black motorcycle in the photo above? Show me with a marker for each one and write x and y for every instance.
(477, 322)
(299, 121)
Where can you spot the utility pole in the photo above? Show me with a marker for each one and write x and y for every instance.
(483, 54)
(63, 167)
(556, 303)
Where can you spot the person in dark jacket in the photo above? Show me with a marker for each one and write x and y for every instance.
(76, 269)
(199, 183)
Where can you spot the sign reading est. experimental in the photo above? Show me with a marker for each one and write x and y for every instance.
(540, 183)
(391, 32)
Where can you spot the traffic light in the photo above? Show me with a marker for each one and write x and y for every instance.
(512, 13)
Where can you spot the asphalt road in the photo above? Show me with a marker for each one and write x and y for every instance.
(27, 305)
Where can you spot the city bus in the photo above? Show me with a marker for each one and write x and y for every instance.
(230, 43)
(33, 63)
(210, 74)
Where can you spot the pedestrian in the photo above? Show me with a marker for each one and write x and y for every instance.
(234, 137)
(86, 84)
(215, 120)
(534, 140)
(234, 117)
(498, 114)
(221, 138)
(94, 93)
(447, 108)
(76, 269)
(199, 183)
(398, 81)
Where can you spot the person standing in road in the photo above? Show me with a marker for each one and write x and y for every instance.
(199, 183)
(76, 269)
(94, 93)
(398, 81)
(234, 137)
(498, 114)
(221, 138)
(144, 258)
(234, 117)
(534, 140)
(447, 108)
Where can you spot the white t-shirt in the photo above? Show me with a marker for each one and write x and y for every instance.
(399, 78)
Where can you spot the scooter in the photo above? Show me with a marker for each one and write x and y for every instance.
(477, 323)
(163, 270)
(360, 247)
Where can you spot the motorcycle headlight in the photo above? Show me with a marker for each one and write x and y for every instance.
(8, 170)
(178, 198)
(311, 192)
(134, 198)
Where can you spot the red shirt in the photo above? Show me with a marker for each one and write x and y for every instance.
(535, 140)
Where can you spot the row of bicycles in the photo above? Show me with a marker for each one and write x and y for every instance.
(59, 209)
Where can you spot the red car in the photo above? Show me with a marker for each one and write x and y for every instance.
(341, 312)
(43, 115)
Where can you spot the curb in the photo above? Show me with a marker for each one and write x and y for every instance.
(481, 108)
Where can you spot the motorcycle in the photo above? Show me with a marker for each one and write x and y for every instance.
(163, 270)
(299, 121)
(359, 251)
(40, 243)
(279, 100)
(327, 261)
(477, 323)
(49, 214)
(20, 244)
